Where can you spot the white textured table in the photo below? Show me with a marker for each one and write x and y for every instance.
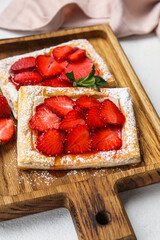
(142, 205)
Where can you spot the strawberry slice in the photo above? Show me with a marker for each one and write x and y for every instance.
(110, 113)
(117, 129)
(57, 82)
(50, 142)
(44, 119)
(5, 111)
(63, 135)
(105, 140)
(71, 120)
(78, 140)
(24, 64)
(80, 111)
(80, 69)
(48, 67)
(86, 102)
(60, 104)
(60, 53)
(17, 85)
(93, 119)
(6, 129)
(40, 107)
(77, 55)
(27, 77)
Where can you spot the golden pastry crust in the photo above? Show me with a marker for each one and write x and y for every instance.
(29, 157)
(10, 91)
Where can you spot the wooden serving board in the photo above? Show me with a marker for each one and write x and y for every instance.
(90, 195)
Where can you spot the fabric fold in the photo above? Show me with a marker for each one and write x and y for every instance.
(124, 16)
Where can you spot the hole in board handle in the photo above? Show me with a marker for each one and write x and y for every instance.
(103, 217)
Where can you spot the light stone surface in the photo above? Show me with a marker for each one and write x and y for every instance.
(142, 205)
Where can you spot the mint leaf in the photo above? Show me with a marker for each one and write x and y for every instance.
(100, 81)
(86, 82)
(92, 80)
(92, 72)
(70, 76)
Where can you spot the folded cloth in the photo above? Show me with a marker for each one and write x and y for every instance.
(126, 17)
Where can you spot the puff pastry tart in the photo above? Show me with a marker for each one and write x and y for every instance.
(47, 67)
(69, 128)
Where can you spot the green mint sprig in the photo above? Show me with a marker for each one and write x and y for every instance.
(91, 81)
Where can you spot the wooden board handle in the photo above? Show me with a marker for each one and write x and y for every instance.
(97, 210)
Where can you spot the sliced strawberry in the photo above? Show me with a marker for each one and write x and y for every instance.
(50, 142)
(117, 129)
(78, 140)
(27, 77)
(77, 55)
(80, 69)
(110, 113)
(44, 119)
(60, 53)
(5, 111)
(40, 107)
(86, 102)
(80, 111)
(105, 140)
(60, 104)
(71, 120)
(6, 129)
(63, 135)
(24, 64)
(57, 82)
(93, 119)
(17, 85)
(48, 67)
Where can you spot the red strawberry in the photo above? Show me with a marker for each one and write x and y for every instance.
(105, 140)
(60, 104)
(110, 113)
(93, 119)
(27, 77)
(80, 69)
(40, 107)
(50, 142)
(24, 64)
(60, 53)
(86, 102)
(71, 120)
(44, 119)
(48, 67)
(17, 85)
(78, 140)
(80, 111)
(77, 55)
(117, 129)
(57, 82)
(5, 111)
(6, 129)
(63, 135)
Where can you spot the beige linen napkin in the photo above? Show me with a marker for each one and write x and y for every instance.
(126, 17)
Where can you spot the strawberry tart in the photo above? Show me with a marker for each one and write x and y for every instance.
(69, 128)
(49, 67)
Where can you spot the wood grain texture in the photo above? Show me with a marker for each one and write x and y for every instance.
(84, 192)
